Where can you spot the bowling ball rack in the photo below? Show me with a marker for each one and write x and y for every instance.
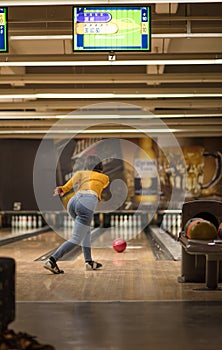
(201, 259)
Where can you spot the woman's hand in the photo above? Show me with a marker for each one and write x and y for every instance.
(58, 191)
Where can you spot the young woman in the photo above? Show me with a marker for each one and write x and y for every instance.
(90, 184)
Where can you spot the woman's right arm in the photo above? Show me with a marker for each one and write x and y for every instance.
(58, 191)
(61, 190)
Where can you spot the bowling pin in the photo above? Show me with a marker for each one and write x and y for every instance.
(169, 223)
(34, 223)
(121, 231)
(24, 222)
(164, 222)
(12, 222)
(130, 221)
(112, 221)
(179, 222)
(125, 221)
(174, 226)
(112, 229)
(121, 220)
(29, 222)
(139, 221)
(65, 222)
(16, 224)
(134, 221)
(130, 231)
(39, 221)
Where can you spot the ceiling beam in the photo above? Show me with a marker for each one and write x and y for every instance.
(147, 90)
(212, 123)
(151, 104)
(91, 57)
(111, 78)
(101, 135)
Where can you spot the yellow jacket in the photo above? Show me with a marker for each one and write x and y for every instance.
(87, 180)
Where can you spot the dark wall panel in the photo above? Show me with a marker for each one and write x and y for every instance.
(16, 176)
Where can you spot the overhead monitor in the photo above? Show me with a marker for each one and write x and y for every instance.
(112, 28)
(3, 30)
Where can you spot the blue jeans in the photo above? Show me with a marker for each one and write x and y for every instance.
(81, 208)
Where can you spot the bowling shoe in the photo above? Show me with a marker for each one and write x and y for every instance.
(51, 265)
(92, 265)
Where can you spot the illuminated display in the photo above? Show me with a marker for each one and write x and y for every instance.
(111, 28)
(3, 30)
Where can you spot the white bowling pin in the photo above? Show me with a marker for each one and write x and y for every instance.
(34, 223)
(112, 221)
(29, 222)
(39, 221)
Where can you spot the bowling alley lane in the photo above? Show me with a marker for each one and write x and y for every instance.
(135, 274)
(30, 248)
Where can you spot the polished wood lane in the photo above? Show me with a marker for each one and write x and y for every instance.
(132, 275)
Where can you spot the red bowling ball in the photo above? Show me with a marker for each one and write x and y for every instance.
(119, 245)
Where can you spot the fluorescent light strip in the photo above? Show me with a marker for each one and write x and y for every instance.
(154, 36)
(104, 95)
(40, 37)
(187, 35)
(98, 131)
(79, 117)
(102, 117)
(111, 63)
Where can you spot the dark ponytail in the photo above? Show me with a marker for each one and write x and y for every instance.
(93, 163)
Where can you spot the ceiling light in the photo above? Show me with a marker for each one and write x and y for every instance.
(111, 63)
(40, 37)
(94, 131)
(187, 35)
(106, 95)
(154, 36)
(95, 116)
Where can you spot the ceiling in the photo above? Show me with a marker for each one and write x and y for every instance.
(179, 82)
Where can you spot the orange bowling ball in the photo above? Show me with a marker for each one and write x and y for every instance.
(201, 230)
(192, 220)
(119, 244)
